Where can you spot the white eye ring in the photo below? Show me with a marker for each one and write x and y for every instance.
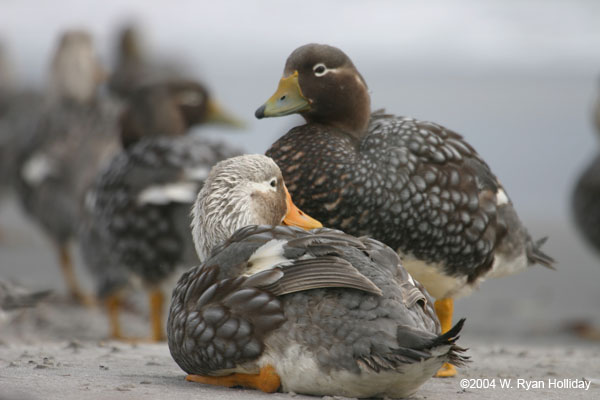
(322, 69)
(273, 183)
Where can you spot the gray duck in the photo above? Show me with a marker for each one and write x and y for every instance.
(586, 196)
(72, 138)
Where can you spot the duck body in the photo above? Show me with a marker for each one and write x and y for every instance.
(60, 160)
(141, 203)
(69, 134)
(19, 116)
(330, 313)
(586, 203)
(418, 187)
(331, 341)
(137, 211)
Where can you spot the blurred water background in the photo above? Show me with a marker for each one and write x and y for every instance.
(517, 78)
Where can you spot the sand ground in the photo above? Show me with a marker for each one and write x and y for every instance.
(515, 331)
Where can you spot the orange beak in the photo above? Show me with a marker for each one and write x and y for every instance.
(295, 217)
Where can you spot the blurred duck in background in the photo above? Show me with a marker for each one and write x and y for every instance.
(74, 136)
(414, 185)
(133, 67)
(6, 79)
(19, 112)
(139, 205)
(6, 134)
(586, 196)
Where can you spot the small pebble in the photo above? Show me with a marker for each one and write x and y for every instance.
(125, 388)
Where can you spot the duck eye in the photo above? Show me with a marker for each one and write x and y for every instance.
(320, 69)
(273, 183)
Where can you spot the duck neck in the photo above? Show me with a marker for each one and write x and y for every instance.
(346, 110)
(355, 125)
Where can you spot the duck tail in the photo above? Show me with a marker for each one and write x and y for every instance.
(455, 355)
(535, 255)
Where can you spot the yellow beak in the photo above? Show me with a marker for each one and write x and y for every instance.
(288, 99)
(295, 217)
(216, 114)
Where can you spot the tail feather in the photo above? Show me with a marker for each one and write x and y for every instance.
(536, 256)
(449, 338)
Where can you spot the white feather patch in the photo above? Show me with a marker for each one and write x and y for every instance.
(37, 168)
(432, 276)
(504, 266)
(501, 197)
(177, 192)
(267, 256)
(411, 280)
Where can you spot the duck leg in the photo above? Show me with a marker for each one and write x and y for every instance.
(267, 380)
(66, 265)
(444, 309)
(113, 307)
(157, 300)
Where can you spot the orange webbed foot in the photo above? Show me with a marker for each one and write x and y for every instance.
(267, 380)
(447, 371)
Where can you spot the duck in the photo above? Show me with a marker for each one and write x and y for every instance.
(72, 138)
(414, 185)
(134, 72)
(585, 200)
(6, 80)
(19, 110)
(133, 68)
(137, 226)
(297, 307)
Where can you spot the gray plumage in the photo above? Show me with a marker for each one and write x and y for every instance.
(585, 200)
(19, 117)
(220, 319)
(331, 313)
(60, 161)
(586, 203)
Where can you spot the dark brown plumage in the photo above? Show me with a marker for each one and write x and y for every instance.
(416, 186)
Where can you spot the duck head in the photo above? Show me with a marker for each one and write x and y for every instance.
(167, 109)
(129, 46)
(242, 191)
(76, 71)
(322, 84)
